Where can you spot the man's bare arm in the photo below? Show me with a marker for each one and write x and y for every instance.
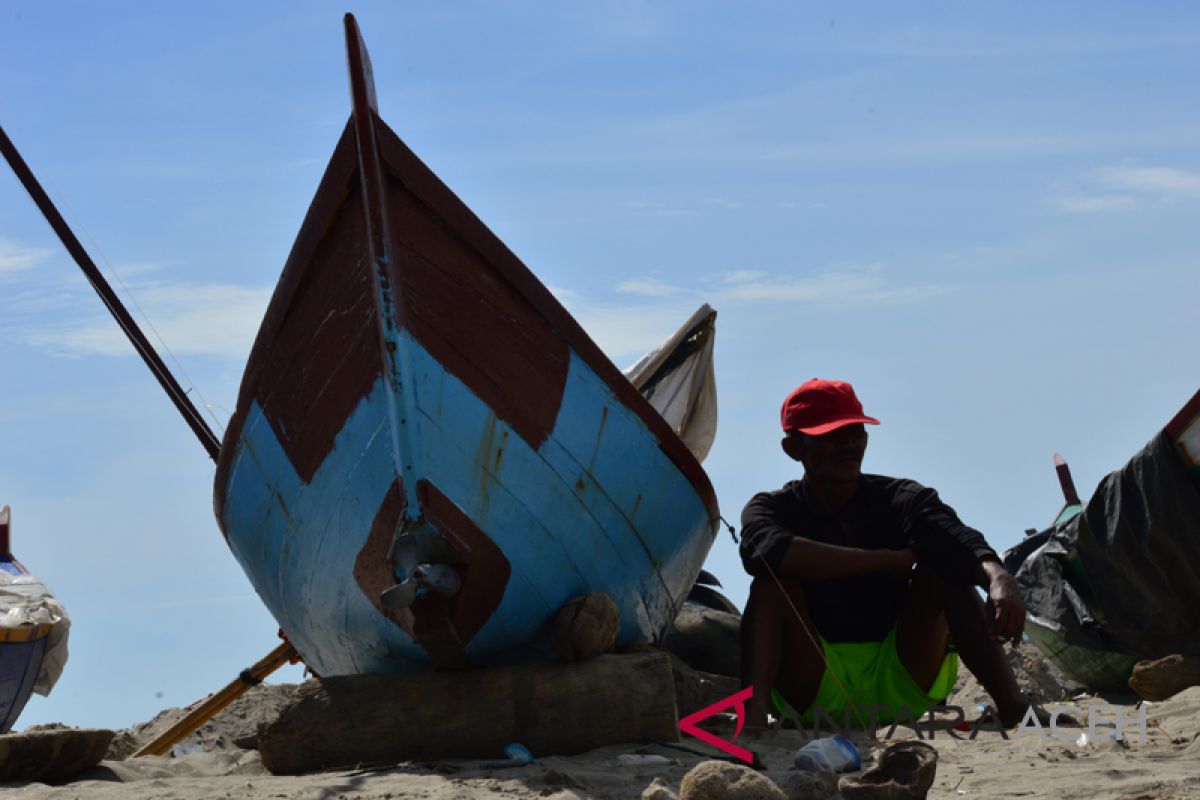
(806, 559)
(1005, 609)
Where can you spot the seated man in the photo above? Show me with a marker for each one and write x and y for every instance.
(860, 582)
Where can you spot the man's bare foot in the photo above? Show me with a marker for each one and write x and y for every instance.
(1166, 677)
(755, 723)
(1010, 718)
(1011, 709)
(756, 720)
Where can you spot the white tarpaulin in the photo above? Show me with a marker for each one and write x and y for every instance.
(25, 601)
(677, 378)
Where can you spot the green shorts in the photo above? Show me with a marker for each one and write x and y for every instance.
(872, 675)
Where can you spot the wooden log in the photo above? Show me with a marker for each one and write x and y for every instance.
(695, 690)
(552, 709)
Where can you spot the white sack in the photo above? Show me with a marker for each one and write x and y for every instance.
(677, 378)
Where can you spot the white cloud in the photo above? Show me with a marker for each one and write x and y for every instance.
(1092, 204)
(709, 205)
(625, 334)
(14, 257)
(564, 296)
(743, 276)
(649, 287)
(220, 320)
(137, 269)
(208, 319)
(653, 209)
(1160, 181)
(628, 332)
(841, 284)
(1117, 188)
(625, 19)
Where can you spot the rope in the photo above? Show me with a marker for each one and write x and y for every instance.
(813, 639)
(94, 247)
(804, 625)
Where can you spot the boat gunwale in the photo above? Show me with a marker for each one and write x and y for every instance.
(1183, 419)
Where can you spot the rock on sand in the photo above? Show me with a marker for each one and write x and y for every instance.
(721, 780)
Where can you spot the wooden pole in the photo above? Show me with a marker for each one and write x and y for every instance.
(1065, 481)
(251, 676)
(178, 396)
(5, 540)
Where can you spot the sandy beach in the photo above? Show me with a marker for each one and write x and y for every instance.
(1158, 762)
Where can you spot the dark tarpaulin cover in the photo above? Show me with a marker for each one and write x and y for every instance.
(1123, 575)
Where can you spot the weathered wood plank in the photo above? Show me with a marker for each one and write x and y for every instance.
(550, 708)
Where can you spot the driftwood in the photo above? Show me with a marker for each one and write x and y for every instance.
(550, 708)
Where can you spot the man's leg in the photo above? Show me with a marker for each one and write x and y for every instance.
(934, 608)
(778, 649)
(922, 635)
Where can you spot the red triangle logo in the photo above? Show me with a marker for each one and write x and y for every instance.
(738, 700)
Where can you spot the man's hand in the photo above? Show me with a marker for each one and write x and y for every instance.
(898, 563)
(1006, 612)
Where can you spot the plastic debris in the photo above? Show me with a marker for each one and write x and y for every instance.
(639, 760)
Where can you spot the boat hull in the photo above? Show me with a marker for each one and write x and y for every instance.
(569, 517)
(413, 379)
(22, 650)
(20, 663)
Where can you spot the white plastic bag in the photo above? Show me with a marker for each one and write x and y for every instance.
(25, 601)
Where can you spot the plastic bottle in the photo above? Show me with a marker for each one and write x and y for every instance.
(831, 754)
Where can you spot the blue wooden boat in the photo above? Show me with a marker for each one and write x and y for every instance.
(429, 456)
(22, 648)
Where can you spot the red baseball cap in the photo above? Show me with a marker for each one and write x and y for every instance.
(819, 406)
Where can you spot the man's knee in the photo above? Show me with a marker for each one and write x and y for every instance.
(768, 593)
(924, 577)
(928, 588)
(928, 593)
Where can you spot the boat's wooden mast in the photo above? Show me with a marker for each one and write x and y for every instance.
(1070, 495)
(178, 396)
(385, 273)
(5, 541)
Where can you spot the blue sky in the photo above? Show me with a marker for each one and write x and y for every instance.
(983, 216)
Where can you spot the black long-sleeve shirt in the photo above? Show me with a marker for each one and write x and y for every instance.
(884, 513)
